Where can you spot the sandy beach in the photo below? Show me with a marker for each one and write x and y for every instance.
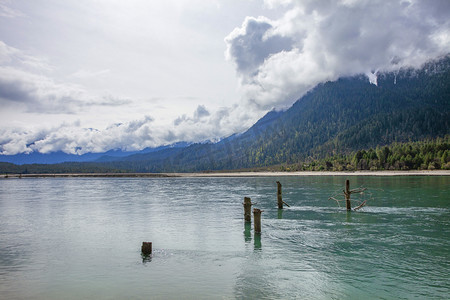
(318, 173)
(237, 174)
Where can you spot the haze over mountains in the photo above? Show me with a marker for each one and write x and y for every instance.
(349, 114)
(59, 156)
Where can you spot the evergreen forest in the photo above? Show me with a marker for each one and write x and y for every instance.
(401, 123)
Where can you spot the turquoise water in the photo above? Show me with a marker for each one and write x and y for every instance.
(80, 238)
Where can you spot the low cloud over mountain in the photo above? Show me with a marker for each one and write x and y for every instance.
(137, 80)
(315, 41)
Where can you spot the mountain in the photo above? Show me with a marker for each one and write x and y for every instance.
(130, 156)
(60, 157)
(335, 117)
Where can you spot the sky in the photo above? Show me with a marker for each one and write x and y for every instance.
(85, 76)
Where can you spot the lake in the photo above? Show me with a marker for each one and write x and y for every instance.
(80, 238)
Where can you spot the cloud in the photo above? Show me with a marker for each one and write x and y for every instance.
(323, 40)
(201, 112)
(111, 101)
(72, 138)
(39, 93)
(250, 45)
(212, 126)
(127, 136)
(23, 80)
(8, 12)
(199, 116)
(26, 84)
(88, 74)
(10, 56)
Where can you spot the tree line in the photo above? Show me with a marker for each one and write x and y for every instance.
(432, 154)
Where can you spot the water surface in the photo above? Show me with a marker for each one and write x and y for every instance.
(74, 238)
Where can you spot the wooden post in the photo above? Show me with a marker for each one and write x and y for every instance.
(347, 195)
(247, 209)
(279, 197)
(257, 220)
(146, 248)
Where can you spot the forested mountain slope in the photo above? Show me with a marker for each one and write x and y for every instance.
(334, 118)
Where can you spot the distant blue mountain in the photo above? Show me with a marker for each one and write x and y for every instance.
(60, 157)
(335, 117)
(130, 156)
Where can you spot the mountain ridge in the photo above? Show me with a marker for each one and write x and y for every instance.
(334, 117)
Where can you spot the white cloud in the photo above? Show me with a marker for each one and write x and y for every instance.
(29, 86)
(274, 3)
(205, 125)
(329, 39)
(24, 80)
(87, 74)
(8, 12)
(10, 56)
(133, 135)
(73, 139)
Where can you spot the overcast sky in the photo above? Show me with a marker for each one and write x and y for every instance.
(89, 76)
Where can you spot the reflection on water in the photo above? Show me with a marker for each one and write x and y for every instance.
(280, 214)
(146, 258)
(81, 238)
(257, 242)
(247, 232)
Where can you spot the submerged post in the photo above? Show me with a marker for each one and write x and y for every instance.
(347, 195)
(146, 248)
(279, 197)
(257, 219)
(247, 209)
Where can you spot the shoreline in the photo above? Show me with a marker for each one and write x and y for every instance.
(233, 174)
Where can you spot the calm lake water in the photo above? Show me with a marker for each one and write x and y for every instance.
(80, 238)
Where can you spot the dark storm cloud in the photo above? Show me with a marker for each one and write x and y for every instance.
(254, 42)
(15, 91)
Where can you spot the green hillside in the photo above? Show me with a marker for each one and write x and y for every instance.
(337, 118)
(333, 121)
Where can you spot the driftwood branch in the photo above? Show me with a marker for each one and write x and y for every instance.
(360, 206)
(360, 190)
(337, 200)
(286, 204)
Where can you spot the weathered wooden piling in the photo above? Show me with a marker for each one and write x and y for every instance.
(247, 209)
(279, 197)
(146, 248)
(257, 220)
(347, 194)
